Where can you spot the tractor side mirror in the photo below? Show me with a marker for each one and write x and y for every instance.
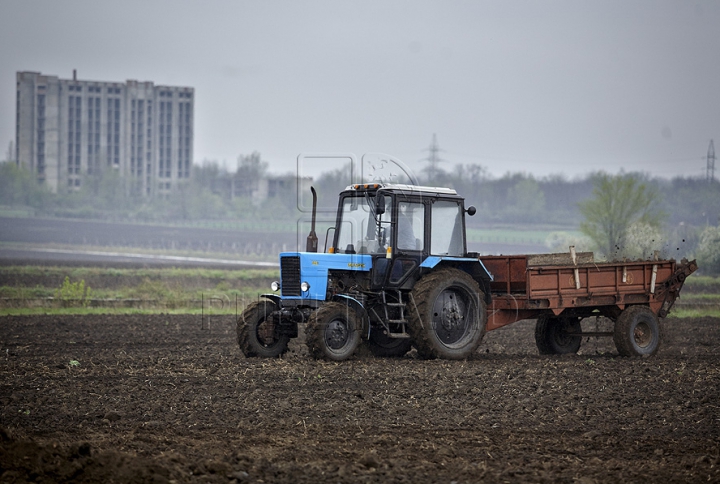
(471, 210)
(379, 205)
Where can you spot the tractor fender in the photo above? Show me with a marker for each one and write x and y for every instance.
(273, 297)
(472, 266)
(359, 309)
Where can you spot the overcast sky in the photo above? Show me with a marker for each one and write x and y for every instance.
(542, 87)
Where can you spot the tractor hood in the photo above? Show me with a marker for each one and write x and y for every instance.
(312, 268)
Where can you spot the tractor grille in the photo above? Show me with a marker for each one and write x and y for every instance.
(290, 276)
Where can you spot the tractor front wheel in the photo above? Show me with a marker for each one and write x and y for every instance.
(333, 332)
(257, 332)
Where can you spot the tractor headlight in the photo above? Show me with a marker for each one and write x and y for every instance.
(304, 286)
(275, 286)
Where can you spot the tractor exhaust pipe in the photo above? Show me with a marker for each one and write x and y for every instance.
(312, 240)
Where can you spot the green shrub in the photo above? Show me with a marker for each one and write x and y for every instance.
(71, 293)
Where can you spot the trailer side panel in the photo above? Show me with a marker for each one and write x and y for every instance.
(524, 291)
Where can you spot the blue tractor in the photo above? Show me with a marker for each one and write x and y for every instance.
(396, 274)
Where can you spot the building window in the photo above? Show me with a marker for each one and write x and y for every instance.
(93, 138)
(139, 137)
(113, 132)
(40, 145)
(165, 140)
(148, 154)
(184, 137)
(133, 133)
(74, 134)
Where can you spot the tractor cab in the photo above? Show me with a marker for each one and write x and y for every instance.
(395, 272)
(400, 227)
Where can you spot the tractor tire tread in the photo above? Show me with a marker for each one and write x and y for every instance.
(420, 304)
(252, 313)
(315, 328)
(541, 341)
(623, 325)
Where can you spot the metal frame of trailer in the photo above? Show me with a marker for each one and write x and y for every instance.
(521, 290)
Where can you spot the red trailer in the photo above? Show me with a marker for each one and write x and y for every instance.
(559, 290)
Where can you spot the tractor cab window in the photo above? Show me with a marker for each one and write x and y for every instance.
(358, 231)
(447, 231)
(411, 226)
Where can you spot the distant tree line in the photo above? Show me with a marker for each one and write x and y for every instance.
(675, 211)
(212, 192)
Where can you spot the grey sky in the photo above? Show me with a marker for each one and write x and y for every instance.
(553, 87)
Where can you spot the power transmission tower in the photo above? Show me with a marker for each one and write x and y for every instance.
(710, 173)
(433, 159)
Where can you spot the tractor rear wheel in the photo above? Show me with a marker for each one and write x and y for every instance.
(333, 332)
(637, 332)
(447, 315)
(552, 338)
(257, 332)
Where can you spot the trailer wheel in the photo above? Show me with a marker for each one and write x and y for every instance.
(552, 338)
(447, 315)
(333, 332)
(385, 347)
(257, 333)
(637, 332)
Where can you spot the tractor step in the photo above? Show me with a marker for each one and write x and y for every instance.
(398, 335)
(401, 310)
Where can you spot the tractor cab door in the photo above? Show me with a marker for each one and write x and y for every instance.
(405, 239)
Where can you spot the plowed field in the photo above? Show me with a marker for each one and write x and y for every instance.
(159, 399)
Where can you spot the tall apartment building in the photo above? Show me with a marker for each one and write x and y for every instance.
(67, 130)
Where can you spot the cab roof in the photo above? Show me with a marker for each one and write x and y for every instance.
(400, 188)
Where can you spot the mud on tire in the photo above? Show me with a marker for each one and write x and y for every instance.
(551, 335)
(333, 332)
(257, 333)
(637, 332)
(447, 315)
